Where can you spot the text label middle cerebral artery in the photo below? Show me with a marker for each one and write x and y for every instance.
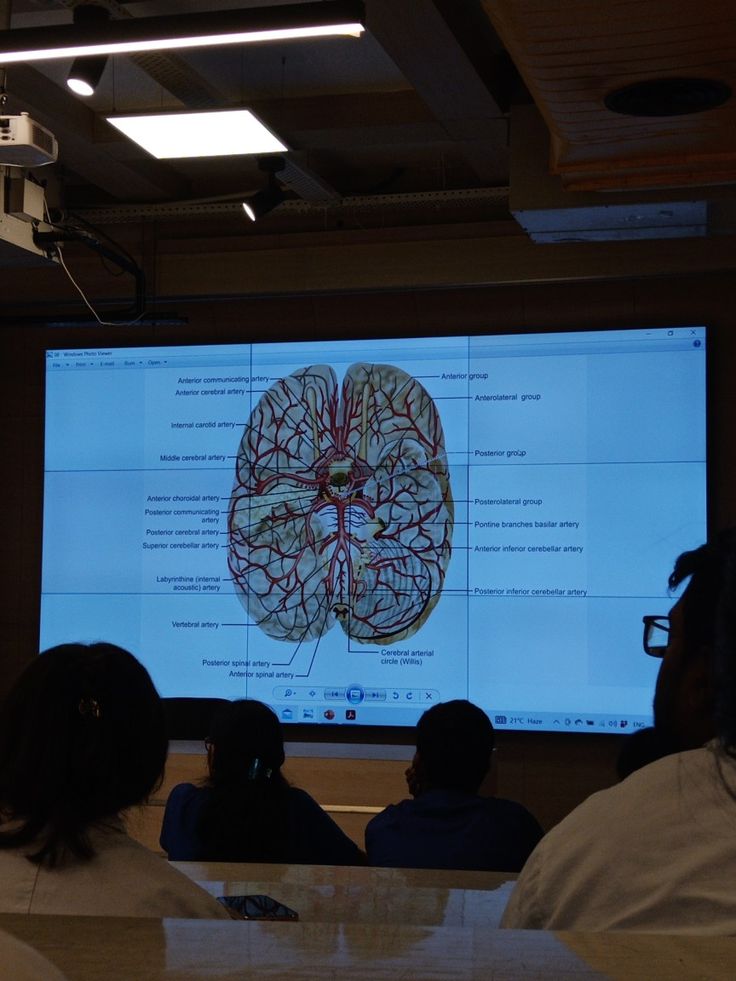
(342, 509)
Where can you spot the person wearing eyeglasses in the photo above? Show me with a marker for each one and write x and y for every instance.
(644, 746)
(657, 852)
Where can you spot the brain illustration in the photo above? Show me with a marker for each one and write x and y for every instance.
(342, 509)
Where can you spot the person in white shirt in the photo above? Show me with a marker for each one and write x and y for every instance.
(82, 738)
(657, 852)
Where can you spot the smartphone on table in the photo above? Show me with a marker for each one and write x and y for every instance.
(257, 908)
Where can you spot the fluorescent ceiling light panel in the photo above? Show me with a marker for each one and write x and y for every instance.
(199, 134)
(178, 31)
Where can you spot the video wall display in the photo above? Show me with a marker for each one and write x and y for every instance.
(354, 530)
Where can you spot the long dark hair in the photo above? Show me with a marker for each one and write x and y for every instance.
(82, 737)
(245, 817)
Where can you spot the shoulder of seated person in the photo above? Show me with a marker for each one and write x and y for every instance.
(505, 803)
(184, 789)
(694, 760)
(298, 795)
(645, 788)
(408, 802)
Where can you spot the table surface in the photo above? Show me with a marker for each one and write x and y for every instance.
(345, 874)
(348, 894)
(124, 948)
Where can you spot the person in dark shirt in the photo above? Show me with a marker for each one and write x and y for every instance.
(246, 811)
(448, 825)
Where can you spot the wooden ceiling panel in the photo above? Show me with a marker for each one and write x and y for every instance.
(573, 54)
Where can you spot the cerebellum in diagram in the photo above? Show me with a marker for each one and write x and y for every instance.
(342, 509)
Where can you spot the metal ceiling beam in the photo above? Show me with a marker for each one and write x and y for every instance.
(425, 49)
(180, 79)
(125, 213)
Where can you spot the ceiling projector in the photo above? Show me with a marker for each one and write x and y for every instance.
(25, 143)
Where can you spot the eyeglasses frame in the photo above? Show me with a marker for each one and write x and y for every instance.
(662, 622)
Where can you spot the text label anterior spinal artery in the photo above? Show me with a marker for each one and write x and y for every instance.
(342, 509)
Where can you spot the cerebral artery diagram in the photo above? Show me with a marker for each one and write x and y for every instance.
(342, 509)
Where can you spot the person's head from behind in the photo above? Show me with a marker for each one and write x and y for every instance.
(245, 818)
(695, 697)
(454, 744)
(82, 738)
(246, 743)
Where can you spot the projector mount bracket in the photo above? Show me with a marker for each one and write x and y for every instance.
(49, 241)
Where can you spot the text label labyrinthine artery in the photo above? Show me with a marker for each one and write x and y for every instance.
(342, 509)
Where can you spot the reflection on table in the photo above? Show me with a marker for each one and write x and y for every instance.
(347, 894)
(121, 949)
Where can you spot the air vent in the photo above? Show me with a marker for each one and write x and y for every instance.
(668, 97)
(43, 138)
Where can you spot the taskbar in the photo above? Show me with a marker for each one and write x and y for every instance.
(569, 721)
(340, 711)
